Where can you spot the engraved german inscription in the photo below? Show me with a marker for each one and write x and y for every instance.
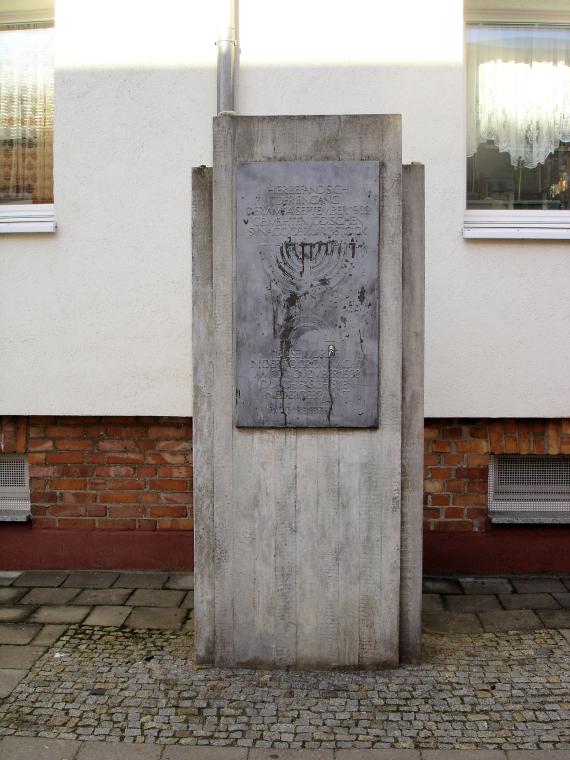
(307, 294)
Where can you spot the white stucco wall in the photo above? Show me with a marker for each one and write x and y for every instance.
(96, 318)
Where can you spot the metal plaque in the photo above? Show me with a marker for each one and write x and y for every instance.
(307, 293)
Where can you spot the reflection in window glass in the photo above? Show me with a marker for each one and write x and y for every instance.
(518, 117)
(26, 114)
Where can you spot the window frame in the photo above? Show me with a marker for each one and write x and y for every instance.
(23, 217)
(512, 223)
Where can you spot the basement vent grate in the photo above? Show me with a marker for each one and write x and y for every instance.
(529, 489)
(14, 488)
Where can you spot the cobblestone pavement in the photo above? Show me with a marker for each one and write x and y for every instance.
(91, 659)
(473, 691)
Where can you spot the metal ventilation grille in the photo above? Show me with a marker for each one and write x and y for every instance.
(529, 489)
(14, 489)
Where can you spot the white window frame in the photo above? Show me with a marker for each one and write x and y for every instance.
(516, 223)
(24, 217)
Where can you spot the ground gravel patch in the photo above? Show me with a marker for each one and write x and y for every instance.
(471, 691)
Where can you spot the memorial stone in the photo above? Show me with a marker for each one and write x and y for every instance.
(307, 294)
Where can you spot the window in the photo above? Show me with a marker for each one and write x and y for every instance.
(518, 130)
(26, 126)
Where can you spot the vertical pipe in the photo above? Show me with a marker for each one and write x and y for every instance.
(227, 55)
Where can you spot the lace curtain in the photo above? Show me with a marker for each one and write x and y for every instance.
(518, 90)
(26, 114)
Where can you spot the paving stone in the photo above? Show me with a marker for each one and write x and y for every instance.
(182, 581)
(27, 748)
(188, 601)
(555, 618)
(538, 585)
(49, 634)
(472, 603)
(288, 754)
(213, 753)
(566, 633)
(91, 579)
(19, 657)
(154, 598)
(122, 751)
(7, 577)
(108, 616)
(529, 602)
(432, 603)
(9, 679)
(15, 614)
(441, 586)
(375, 754)
(451, 622)
(141, 580)
(49, 595)
(509, 620)
(463, 754)
(563, 599)
(485, 585)
(14, 633)
(552, 754)
(34, 578)
(11, 595)
(156, 617)
(106, 596)
(57, 614)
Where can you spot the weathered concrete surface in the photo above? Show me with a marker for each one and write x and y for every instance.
(301, 552)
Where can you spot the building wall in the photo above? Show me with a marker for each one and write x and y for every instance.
(116, 492)
(105, 492)
(95, 319)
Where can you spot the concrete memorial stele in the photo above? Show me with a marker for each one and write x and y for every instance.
(308, 394)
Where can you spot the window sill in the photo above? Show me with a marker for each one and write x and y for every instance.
(529, 225)
(27, 218)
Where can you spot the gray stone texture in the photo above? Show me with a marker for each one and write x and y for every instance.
(485, 585)
(432, 603)
(25, 748)
(555, 618)
(106, 596)
(59, 614)
(7, 577)
(100, 751)
(49, 634)
(19, 657)
(538, 585)
(15, 614)
(91, 579)
(472, 603)
(452, 622)
(510, 620)
(51, 578)
(156, 598)
(11, 595)
(464, 754)
(107, 616)
(376, 754)
(441, 586)
(15, 633)
(529, 602)
(289, 754)
(156, 617)
(141, 580)
(9, 679)
(49, 595)
(207, 753)
(563, 599)
(182, 581)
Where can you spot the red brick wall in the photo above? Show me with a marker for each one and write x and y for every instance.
(456, 459)
(106, 473)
